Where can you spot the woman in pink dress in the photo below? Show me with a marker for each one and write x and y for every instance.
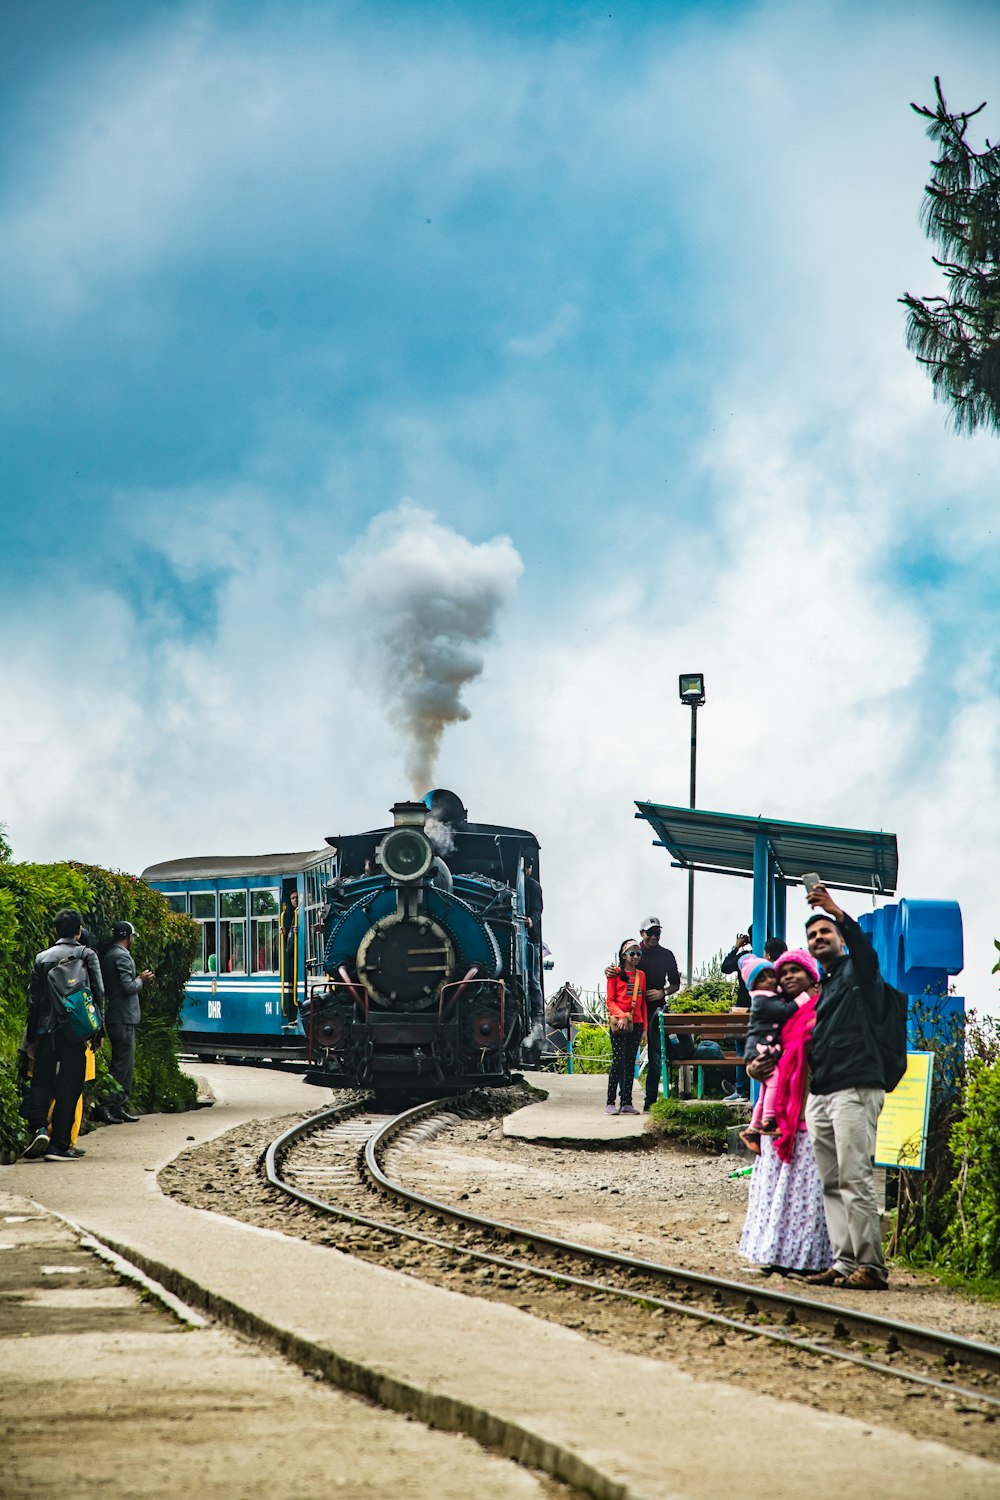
(785, 1228)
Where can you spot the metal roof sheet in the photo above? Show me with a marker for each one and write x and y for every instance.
(225, 866)
(850, 859)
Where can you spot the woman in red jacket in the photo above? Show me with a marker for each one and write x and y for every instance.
(626, 1019)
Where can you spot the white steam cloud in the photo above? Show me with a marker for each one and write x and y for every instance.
(428, 599)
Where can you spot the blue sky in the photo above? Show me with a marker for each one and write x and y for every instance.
(617, 284)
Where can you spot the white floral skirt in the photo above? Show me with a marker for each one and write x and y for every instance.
(785, 1223)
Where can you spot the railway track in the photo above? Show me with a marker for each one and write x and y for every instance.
(339, 1162)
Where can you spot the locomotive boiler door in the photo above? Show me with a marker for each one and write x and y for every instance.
(402, 960)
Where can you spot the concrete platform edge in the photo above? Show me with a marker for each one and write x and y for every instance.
(446, 1413)
(124, 1268)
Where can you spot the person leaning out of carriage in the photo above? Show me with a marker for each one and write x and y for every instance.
(626, 1020)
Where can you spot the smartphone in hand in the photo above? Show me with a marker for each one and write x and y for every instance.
(811, 881)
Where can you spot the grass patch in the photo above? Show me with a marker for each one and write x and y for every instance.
(702, 1123)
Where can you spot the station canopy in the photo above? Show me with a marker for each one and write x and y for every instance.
(848, 859)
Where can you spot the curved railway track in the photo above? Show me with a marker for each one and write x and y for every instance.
(345, 1152)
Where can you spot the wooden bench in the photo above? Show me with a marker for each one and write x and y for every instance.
(705, 1026)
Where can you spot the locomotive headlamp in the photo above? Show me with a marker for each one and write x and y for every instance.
(405, 854)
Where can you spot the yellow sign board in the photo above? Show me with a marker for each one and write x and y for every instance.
(901, 1139)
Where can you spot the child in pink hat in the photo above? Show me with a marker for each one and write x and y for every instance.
(769, 1010)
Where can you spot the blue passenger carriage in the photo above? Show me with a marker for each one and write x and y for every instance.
(260, 919)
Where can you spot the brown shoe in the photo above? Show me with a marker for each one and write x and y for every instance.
(865, 1279)
(830, 1277)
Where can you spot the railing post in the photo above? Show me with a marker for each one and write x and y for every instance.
(664, 1069)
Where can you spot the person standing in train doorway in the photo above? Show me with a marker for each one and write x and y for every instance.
(533, 931)
(290, 968)
(122, 987)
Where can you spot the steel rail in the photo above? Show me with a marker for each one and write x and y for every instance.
(895, 1333)
(843, 1322)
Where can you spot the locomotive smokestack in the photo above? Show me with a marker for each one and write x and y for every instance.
(428, 599)
(409, 814)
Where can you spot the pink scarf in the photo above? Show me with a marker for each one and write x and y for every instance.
(791, 1078)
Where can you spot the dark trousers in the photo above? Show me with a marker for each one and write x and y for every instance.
(535, 1002)
(624, 1047)
(58, 1073)
(654, 1056)
(122, 1068)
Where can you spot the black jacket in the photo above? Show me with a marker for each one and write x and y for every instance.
(850, 1008)
(660, 968)
(122, 985)
(533, 908)
(731, 965)
(768, 1013)
(42, 1013)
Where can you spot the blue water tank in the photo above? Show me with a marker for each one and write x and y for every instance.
(919, 946)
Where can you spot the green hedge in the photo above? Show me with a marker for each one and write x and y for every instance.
(30, 895)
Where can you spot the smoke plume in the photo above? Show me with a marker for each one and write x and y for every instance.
(428, 599)
(441, 837)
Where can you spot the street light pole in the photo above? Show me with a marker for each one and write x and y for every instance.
(692, 692)
(691, 803)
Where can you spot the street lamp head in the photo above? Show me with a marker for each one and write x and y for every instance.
(692, 688)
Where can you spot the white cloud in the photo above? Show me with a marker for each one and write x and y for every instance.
(756, 200)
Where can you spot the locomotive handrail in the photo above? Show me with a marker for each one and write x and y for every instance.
(459, 985)
(361, 999)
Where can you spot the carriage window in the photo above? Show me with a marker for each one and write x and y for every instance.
(233, 932)
(265, 932)
(177, 903)
(203, 911)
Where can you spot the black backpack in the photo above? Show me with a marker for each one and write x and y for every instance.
(891, 1035)
(73, 1003)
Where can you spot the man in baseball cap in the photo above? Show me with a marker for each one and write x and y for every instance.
(122, 987)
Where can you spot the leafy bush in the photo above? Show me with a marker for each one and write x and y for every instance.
(703, 1125)
(926, 1230)
(591, 1051)
(971, 1243)
(712, 994)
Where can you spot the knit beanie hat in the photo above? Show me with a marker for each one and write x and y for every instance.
(750, 966)
(803, 958)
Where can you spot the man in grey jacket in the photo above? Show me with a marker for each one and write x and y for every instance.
(122, 987)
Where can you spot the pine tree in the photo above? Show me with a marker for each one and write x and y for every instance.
(958, 336)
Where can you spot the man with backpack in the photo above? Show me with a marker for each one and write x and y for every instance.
(65, 1001)
(854, 1059)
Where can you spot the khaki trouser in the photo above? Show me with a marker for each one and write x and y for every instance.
(842, 1130)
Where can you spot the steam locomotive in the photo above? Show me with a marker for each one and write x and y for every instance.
(426, 959)
(395, 959)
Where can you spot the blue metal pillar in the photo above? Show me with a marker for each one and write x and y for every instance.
(761, 903)
(761, 884)
(780, 919)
